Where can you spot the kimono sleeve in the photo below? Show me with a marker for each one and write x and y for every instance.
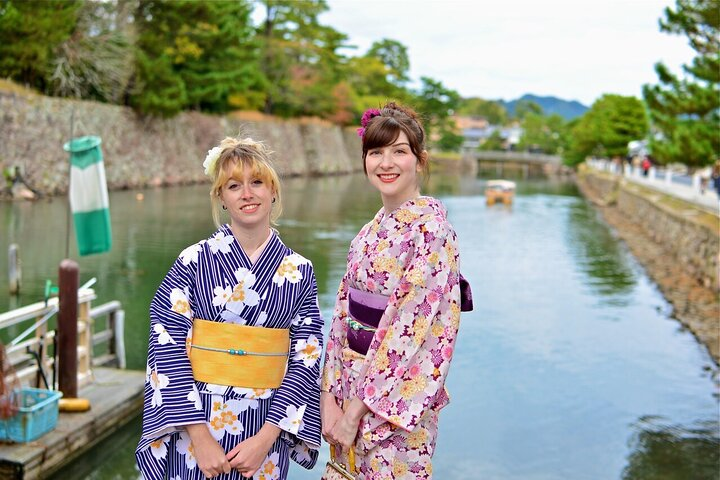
(409, 357)
(296, 404)
(333, 366)
(171, 398)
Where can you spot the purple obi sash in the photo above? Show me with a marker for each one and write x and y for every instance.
(365, 309)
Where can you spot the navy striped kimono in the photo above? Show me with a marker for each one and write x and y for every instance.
(215, 280)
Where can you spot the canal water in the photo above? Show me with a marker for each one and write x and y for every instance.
(570, 366)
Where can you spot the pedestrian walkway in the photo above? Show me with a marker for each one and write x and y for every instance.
(689, 191)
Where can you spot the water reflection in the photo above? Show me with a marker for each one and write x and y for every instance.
(662, 451)
(570, 343)
(599, 255)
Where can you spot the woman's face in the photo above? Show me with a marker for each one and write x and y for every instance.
(248, 200)
(393, 170)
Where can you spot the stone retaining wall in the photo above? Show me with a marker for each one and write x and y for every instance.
(677, 243)
(149, 151)
(690, 235)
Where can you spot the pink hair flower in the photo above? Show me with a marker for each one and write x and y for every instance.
(369, 114)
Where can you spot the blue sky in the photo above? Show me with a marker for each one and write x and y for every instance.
(575, 50)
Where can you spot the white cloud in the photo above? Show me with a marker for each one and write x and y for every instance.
(502, 49)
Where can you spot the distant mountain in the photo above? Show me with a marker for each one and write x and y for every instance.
(566, 109)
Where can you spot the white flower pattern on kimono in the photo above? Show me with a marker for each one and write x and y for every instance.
(158, 381)
(303, 452)
(158, 448)
(231, 317)
(288, 270)
(215, 389)
(293, 422)
(242, 293)
(297, 321)
(308, 350)
(270, 469)
(185, 447)
(180, 303)
(224, 417)
(220, 243)
(194, 398)
(190, 254)
(251, 396)
(261, 319)
(222, 295)
(163, 336)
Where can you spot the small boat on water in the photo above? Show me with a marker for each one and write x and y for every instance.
(499, 191)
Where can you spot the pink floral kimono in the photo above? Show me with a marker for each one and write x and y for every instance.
(410, 256)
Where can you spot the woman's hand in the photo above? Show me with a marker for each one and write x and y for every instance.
(248, 456)
(209, 455)
(345, 430)
(330, 413)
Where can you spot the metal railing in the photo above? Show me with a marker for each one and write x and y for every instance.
(100, 340)
(693, 188)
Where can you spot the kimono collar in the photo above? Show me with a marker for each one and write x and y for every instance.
(421, 205)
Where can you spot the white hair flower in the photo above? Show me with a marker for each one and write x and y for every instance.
(211, 159)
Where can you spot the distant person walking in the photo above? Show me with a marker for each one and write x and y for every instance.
(645, 165)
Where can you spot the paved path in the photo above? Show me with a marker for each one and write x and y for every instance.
(708, 201)
(681, 186)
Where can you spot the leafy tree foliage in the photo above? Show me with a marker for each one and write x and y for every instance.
(494, 142)
(686, 111)
(492, 111)
(437, 103)
(525, 108)
(606, 129)
(97, 60)
(30, 32)
(394, 56)
(193, 55)
(542, 133)
(300, 58)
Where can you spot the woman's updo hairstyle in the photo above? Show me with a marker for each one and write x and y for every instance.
(382, 130)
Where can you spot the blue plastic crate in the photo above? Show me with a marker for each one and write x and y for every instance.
(37, 415)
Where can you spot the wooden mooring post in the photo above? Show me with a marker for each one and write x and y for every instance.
(14, 271)
(69, 277)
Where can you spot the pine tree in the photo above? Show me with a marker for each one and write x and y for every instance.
(686, 111)
(192, 54)
(30, 31)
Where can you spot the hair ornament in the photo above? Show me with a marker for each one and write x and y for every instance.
(369, 114)
(211, 159)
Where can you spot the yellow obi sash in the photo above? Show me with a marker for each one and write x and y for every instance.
(238, 355)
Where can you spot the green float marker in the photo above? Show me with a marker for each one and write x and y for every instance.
(88, 195)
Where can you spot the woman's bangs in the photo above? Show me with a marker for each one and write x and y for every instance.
(382, 132)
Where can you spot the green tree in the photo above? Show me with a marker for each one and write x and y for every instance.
(492, 111)
(193, 55)
(436, 103)
(524, 108)
(394, 56)
(30, 31)
(97, 60)
(494, 142)
(300, 58)
(545, 133)
(686, 111)
(606, 129)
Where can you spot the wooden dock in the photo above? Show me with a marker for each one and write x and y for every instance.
(116, 398)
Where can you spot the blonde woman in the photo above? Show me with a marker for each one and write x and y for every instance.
(235, 340)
